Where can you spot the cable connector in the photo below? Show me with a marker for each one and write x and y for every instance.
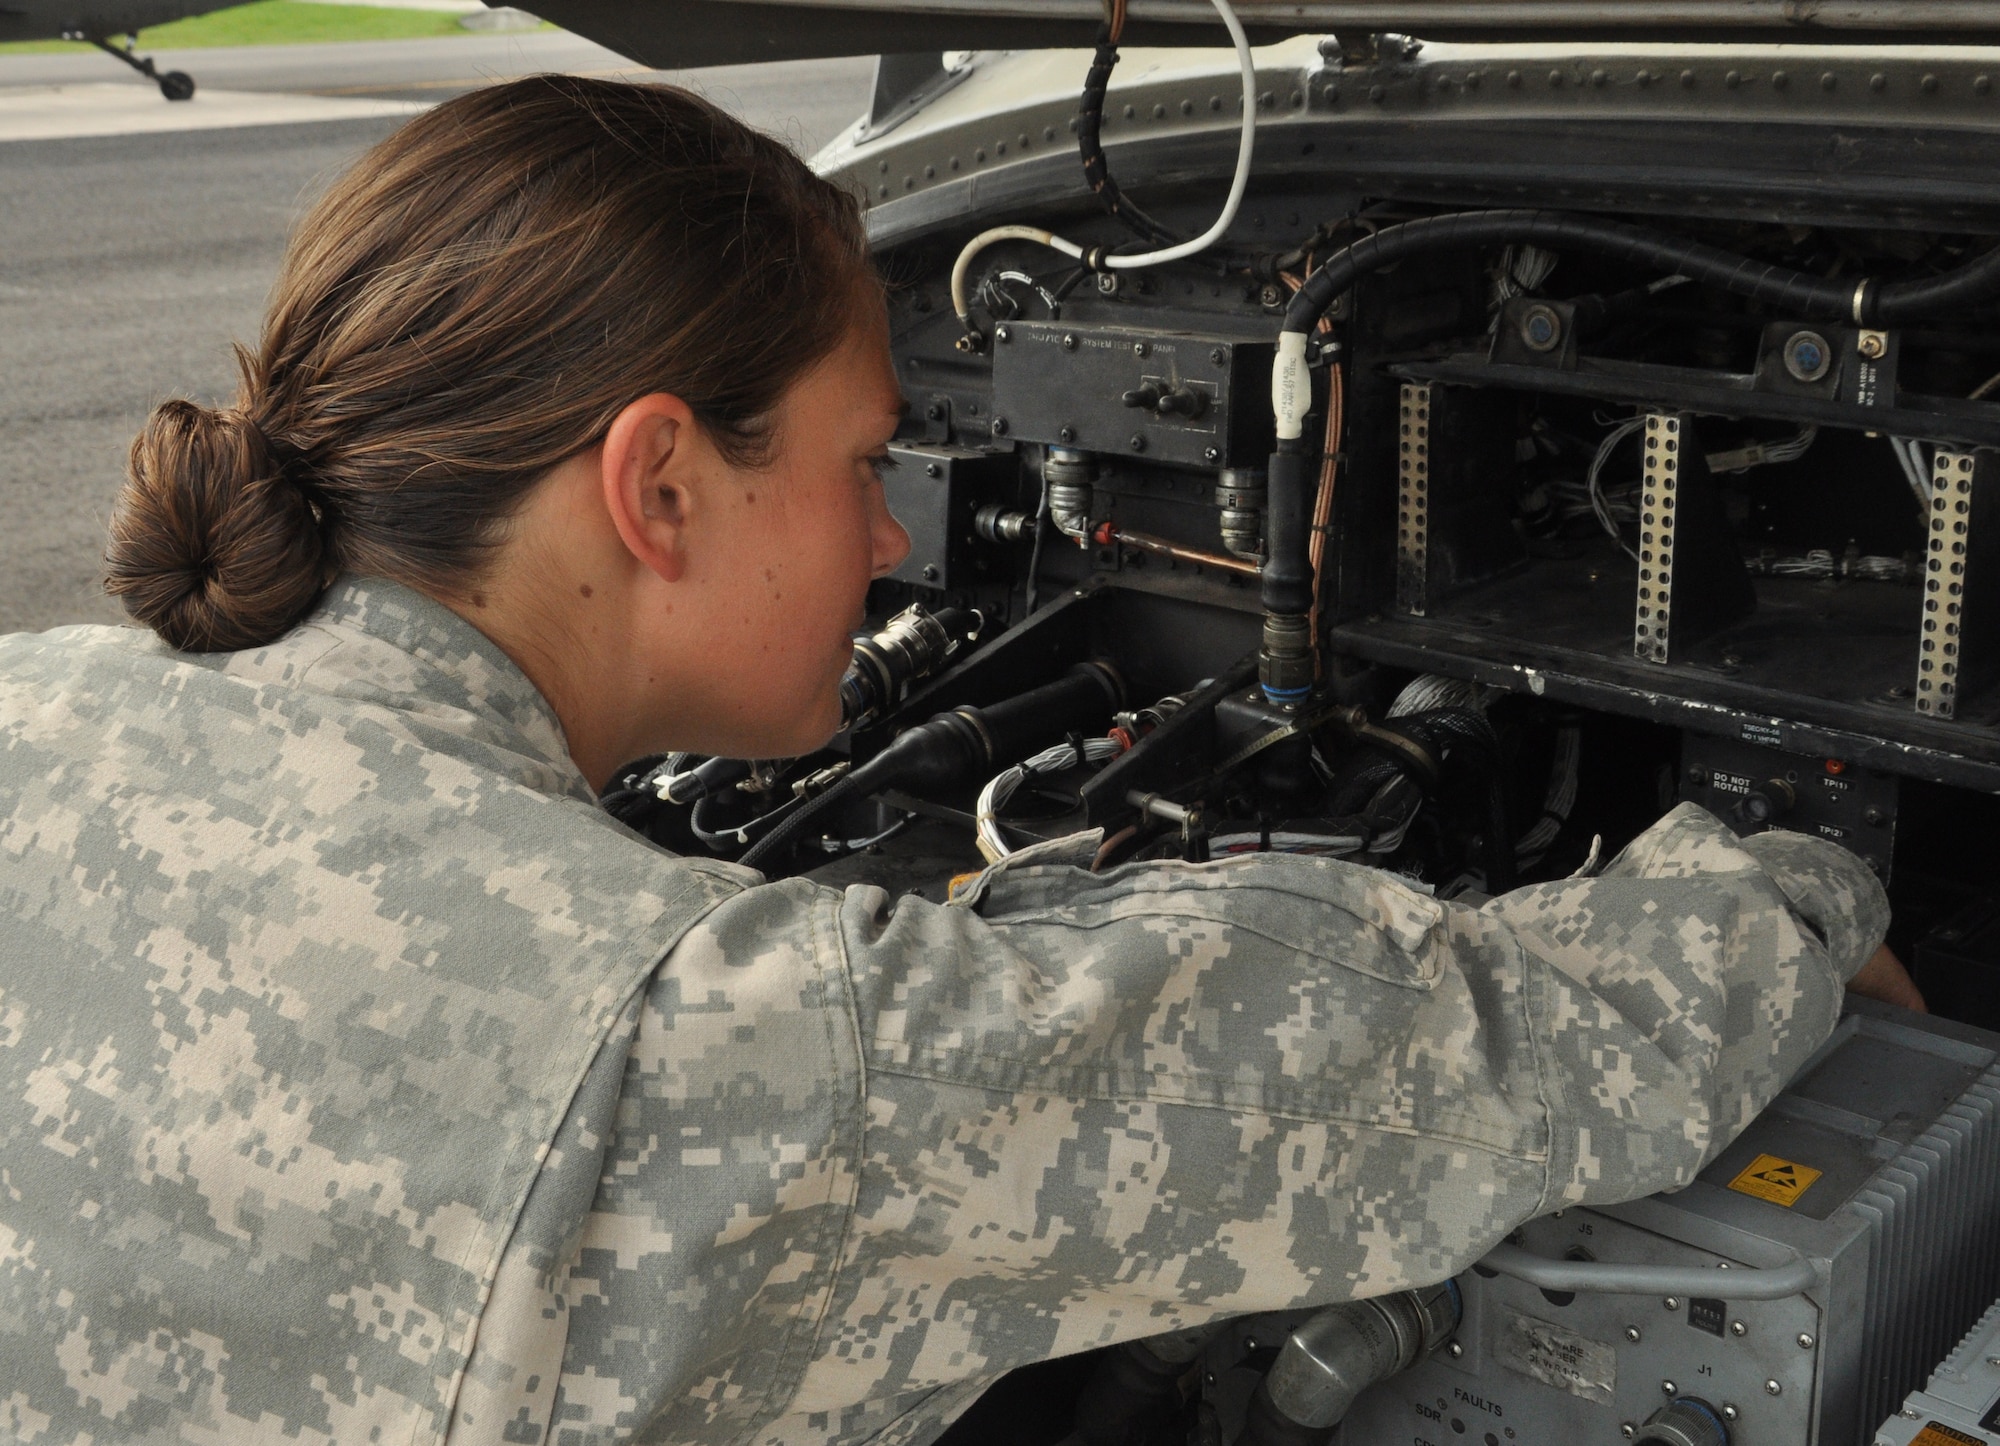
(820, 781)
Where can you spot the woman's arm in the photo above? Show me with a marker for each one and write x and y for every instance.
(872, 1152)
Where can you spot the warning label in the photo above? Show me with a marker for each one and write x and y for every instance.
(1936, 1433)
(1779, 1181)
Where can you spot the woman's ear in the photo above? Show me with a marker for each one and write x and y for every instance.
(650, 470)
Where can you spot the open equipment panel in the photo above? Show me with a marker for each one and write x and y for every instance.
(1557, 433)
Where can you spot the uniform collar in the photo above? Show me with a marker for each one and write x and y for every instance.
(404, 650)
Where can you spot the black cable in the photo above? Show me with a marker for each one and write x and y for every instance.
(794, 823)
(633, 801)
(1867, 302)
(1096, 172)
(1035, 553)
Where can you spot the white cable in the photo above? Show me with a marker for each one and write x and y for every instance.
(1916, 468)
(1758, 454)
(993, 845)
(1597, 504)
(1245, 146)
(959, 268)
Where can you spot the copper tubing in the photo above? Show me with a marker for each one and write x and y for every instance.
(1107, 535)
(1322, 514)
(1336, 399)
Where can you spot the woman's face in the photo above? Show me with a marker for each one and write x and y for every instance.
(804, 535)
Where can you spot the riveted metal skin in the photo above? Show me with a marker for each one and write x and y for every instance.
(1463, 126)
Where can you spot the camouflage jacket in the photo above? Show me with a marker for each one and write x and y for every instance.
(361, 1082)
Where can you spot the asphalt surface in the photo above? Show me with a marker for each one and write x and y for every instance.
(129, 264)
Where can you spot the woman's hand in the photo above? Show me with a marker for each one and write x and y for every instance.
(1883, 977)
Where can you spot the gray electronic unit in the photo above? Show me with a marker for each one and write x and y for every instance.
(1961, 1404)
(1880, 1165)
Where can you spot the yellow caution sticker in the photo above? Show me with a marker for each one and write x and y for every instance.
(1779, 1181)
(1936, 1433)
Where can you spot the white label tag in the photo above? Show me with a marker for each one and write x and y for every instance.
(1558, 1357)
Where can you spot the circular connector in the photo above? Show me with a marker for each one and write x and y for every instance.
(1807, 356)
(1686, 1422)
(1541, 327)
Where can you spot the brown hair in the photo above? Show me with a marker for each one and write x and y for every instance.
(470, 305)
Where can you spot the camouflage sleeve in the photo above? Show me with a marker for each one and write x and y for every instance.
(917, 1145)
(1687, 983)
(1831, 889)
(1109, 1106)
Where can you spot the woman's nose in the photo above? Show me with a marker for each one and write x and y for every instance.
(887, 537)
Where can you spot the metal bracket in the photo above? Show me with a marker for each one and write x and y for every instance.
(904, 85)
(1691, 578)
(1961, 584)
(1654, 616)
(1413, 480)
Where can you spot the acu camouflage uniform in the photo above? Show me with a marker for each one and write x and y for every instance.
(361, 1082)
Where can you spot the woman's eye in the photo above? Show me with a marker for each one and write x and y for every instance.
(883, 465)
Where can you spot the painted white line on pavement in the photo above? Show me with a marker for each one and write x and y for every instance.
(112, 108)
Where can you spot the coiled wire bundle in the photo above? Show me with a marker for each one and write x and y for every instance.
(993, 845)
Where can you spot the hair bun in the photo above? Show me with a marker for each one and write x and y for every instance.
(211, 546)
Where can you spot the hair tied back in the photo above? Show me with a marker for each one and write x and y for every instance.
(212, 545)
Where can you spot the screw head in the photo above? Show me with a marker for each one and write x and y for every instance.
(1729, 1412)
(1455, 1350)
(1668, 1388)
(1142, 348)
(1772, 1388)
(1066, 434)
(1211, 454)
(935, 411)
(1218, 356)
(1632, 1334)
(930, 572)
(1672, 1302)
(1737, 1328)
(1805, 1340)
(1069, 341)
(999, 426)
(1807, 356)
(931, 469)
(1003, 333)
(1872, 344)
(1270, 295)
(1138, 442)
(1627, 1430)
(1108, 283)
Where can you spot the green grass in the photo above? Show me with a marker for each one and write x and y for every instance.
(275, 22)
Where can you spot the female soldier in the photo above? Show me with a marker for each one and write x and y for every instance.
(364, 1082)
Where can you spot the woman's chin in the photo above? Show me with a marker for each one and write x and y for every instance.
(817, 722)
